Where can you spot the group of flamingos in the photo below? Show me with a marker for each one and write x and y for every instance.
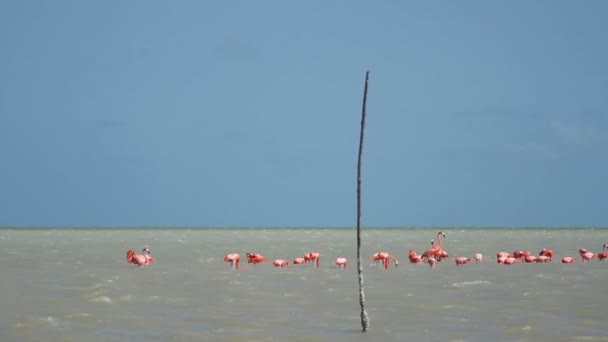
(431, 256)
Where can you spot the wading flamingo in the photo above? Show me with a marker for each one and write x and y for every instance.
(586, 255)
(341, 262)
(254, 258)
(146, 252)
(383, 257)
(501, 257)
(298, 261)
(280, 263)
(462, 260)
(443, 255)
(140, 259)
(542, 258)
(567, 260)
(530, 258)
(510, 260)
(431, 261)
(234, 259)
(603, 255)
(478, 258)
(548, 252)
(312, 257)
(414, 258)
(435, 250)
(137, 259)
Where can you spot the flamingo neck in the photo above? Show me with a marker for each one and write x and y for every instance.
(440, 241)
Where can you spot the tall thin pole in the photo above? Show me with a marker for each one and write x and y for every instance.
(364, 317)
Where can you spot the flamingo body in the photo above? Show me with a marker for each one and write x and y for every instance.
(313, 257)
(567, 260)
(280, 263)
(234, 259)
(603, 255)
(414, 258)
(341, 262)
(546, 252)
(462, 260)
(143, 259)
(255, 258)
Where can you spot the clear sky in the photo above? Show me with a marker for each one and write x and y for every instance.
(247, 113)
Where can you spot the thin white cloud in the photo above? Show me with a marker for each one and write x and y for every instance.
(574, 133)
(534, 150)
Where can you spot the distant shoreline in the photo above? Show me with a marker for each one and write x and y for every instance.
(290, 228)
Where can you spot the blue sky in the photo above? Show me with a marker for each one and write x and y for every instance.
(243, 113)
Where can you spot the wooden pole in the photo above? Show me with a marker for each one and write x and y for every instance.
(364, 317)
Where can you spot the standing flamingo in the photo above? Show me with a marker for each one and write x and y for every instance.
(383, 257)
(586, 255)
(234, 259)
(341, 262)
(478, 258)
(435, 250)
(603, 255)
(313, 256)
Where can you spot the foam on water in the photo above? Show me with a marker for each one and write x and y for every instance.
(471, 283)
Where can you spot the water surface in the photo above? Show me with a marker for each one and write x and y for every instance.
(74, 285)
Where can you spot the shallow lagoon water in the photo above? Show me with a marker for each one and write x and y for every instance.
(75, 285)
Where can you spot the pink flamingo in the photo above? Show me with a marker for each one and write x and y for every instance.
(501, 257)
(280, 263)
(298, 261)
(255, 258)
(546, 252)
(518, 254)
(586, 255)
(510, 260)
(234, 259)
(146, 252)
(462, 260)
(530, 258)
(443, 255)
(435, 250)
(431, 261)
(414, 258)
(603, 255)
(313, 256)
(341, 262)
(542, 258)
(478, 258)
(567, 260)
(143, 259)
(383, 257)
